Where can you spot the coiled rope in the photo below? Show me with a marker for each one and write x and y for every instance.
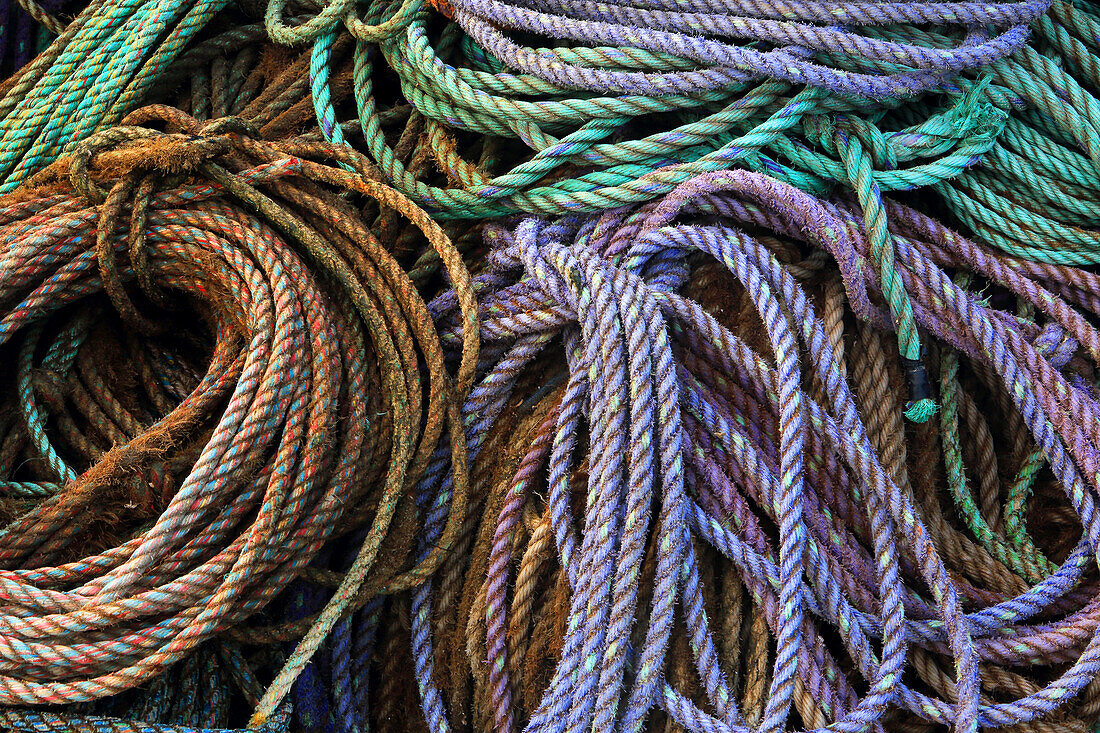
(313, 411)
(780, 42)
(592, 150)
(505, 594)
(707, 516)
(1035, 194)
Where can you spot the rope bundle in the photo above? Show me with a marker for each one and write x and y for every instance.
(95, 72)
(694, 440)
(323, 398)
(779, 43)
(273, 459)
(590, 152)
(585, 153)
(1035, 193)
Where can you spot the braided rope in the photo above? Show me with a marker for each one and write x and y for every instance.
(95, 72)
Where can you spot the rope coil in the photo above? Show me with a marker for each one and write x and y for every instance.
(727, 465)
(265, 453)
(273, 459)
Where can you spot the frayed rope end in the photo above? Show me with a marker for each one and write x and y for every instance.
(921, 411)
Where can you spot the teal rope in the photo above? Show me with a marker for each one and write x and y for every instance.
(751, 125)
(765, 127)
(1037, 196)
(96, 72)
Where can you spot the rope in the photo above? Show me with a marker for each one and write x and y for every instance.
(655, 474)
(1035, 195)
(89, 77)
(654, 379)
(247, 469)
(792, 33)
(624, 122)
(629, 148)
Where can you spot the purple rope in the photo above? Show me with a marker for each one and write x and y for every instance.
(797, 36)
(681, 412)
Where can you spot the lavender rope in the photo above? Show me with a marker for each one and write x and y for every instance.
(693, 437)
(615, 35)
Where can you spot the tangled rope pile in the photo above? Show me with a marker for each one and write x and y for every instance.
(1032, 196)
(590, 152)
(780, 43)
(1035, 193)
(478, 365)
(324, 396)
(695, 440)
(597, 144)
(715, 118)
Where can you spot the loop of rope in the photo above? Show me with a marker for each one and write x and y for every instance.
(734, 439)
(654, 477)
(793, 34)
(584, 154)
(315, 331)
(1035, 195)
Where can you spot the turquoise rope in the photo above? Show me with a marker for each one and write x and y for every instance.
(91, 77)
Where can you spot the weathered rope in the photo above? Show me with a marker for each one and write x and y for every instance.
(284, 503)
(780, 42)
(737, 445)
(590, 152)
(265, 454)
(618, 142)
(95, 72)
(1035, 193)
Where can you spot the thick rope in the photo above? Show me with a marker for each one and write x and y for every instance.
(300, 369)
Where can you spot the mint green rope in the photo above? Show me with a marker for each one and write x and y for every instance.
(90, 77)
(1038, 196)
(580, 160)
(757, 126)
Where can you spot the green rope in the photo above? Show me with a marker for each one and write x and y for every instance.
(580, 159)
(99, 69)
(1021, 557)
(1031, 121)
(1038, 194)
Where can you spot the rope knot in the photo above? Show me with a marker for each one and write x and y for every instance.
(873, 142)
(137, 188)
(121, 151)
(123, 167)
(232, 125)
(834, 133)
(820, 130)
